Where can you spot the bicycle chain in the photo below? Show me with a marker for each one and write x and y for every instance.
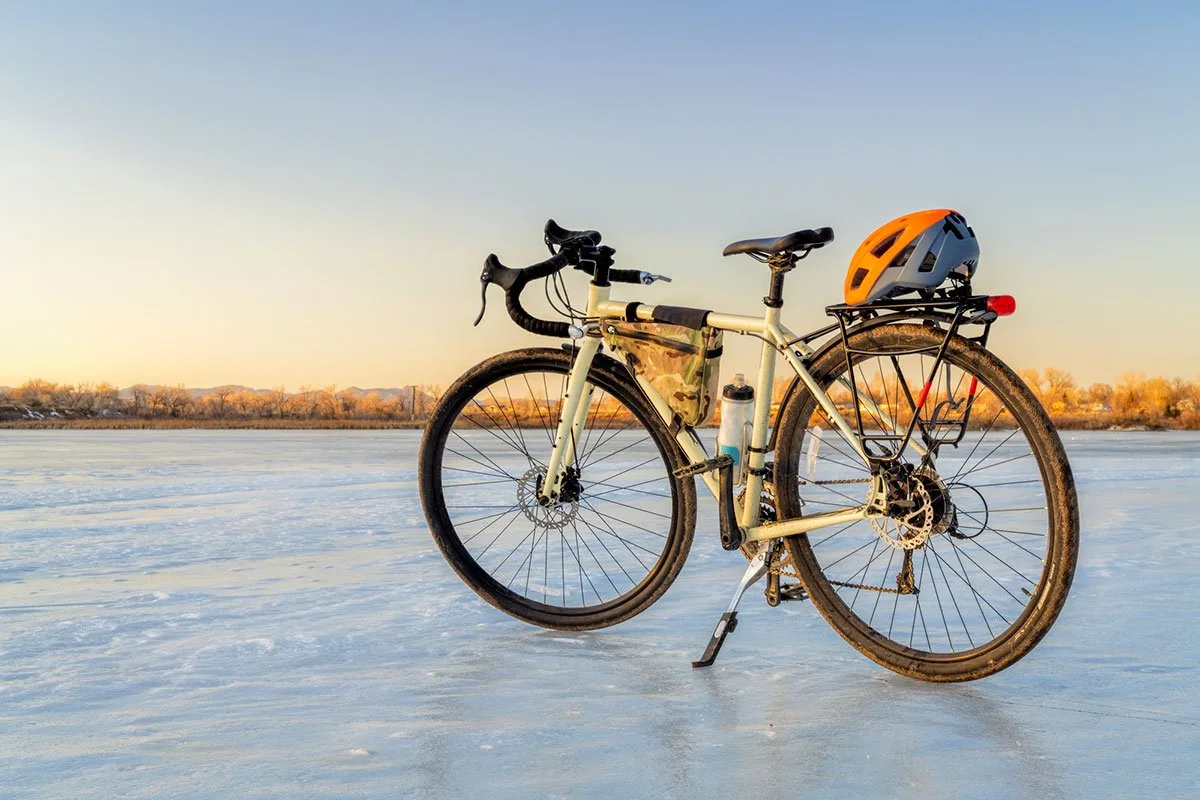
(839, 482)
(904, 581)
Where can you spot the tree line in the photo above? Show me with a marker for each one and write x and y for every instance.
(38, 399)
(1133, 400)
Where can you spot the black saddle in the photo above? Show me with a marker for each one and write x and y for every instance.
(800, 240)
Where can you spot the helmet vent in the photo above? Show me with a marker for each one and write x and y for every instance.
(886, 244)
(927, 264)
(902, 259)
(860, 275)
(950, 227)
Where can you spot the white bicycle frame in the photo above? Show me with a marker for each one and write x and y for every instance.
(777, 339)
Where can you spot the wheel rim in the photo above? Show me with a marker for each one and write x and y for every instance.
(613, 530)
(975, 545)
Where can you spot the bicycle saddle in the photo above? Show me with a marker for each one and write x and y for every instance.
(800, 240)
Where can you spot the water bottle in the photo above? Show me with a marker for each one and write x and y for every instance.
(737, 421)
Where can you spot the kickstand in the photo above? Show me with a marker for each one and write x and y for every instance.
(728, 621)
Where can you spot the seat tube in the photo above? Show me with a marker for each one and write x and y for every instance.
(756, 456)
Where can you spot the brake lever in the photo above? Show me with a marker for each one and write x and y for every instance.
(649, 278)
(482, 302)
(497, 273)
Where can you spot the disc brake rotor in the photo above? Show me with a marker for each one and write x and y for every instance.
(556, 516)
(908, 528)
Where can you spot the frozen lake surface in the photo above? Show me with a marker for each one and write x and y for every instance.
(264, 614)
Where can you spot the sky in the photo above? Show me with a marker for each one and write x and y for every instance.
(300, 193)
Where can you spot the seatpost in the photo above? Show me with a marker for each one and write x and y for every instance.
(780, 264)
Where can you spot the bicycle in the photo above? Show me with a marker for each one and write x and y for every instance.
(559, 483)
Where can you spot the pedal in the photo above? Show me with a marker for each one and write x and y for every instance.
(688, 470)
(731, 533)
(792, 591)
(725, 625)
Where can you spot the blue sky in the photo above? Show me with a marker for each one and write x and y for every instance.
(292, 193)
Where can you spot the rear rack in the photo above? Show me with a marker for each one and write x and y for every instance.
(950, 310)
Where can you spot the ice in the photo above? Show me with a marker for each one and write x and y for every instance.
(264, 614)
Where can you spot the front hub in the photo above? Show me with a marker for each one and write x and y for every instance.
(544, 514)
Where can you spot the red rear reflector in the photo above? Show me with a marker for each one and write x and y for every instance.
(1002, 304)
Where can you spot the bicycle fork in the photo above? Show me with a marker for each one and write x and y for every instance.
(572, 417)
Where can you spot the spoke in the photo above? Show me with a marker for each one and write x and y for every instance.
(827, 567)
(497, 518)
(997, 464)
(533, 398)
(1014, 570)
(482, 455)
(964, 471)
(473, 485)
(1002, 483)
(496, 538)
(631, 469)
(998, 530)
(835, 533)
(591, 464)
(879, 596)
(938, 596)
(589, 423)
(515, 442)
(975, 593)
(582, 574)
(516, 420)
(508, 440)
(477, 472)
(865, 571)
(912, 631)
(488, 516)
(527, 559)
(583, 540)
(627, 544)
(961, 553)
(627, 489)
(610, 555)
(601, 438)
(633, 508)
(982, 436)
(594, 510)
(953, 599)
(852, 456)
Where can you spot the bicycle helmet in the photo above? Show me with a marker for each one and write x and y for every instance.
(916, 251)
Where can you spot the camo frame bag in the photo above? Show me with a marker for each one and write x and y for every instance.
(681, 363)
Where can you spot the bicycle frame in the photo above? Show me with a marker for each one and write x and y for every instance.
(776, 339)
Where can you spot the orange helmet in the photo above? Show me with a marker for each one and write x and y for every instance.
(916, 251)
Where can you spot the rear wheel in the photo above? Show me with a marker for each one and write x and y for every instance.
(970, 568)
(619, 534)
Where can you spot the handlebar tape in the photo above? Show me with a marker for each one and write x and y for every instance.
(538, 327)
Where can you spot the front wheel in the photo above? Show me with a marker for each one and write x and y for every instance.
(972, 562)
(621, 530)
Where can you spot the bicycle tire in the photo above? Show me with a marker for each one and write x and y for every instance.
(1044, 603)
